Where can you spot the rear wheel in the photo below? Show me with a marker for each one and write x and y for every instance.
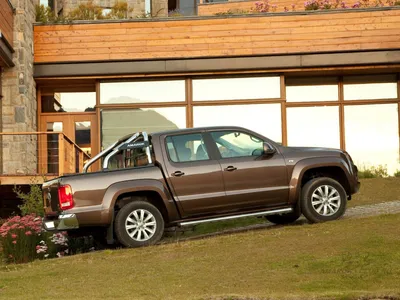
(139, 223)
(283, 219)
(323, 199)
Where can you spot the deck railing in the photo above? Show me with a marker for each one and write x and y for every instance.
(40, 153)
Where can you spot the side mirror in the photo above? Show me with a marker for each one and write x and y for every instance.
(268, 149)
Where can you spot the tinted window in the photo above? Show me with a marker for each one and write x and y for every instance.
(183, 148)
(237, 144)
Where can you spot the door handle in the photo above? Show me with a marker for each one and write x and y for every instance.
(178, 174)
(230, 168)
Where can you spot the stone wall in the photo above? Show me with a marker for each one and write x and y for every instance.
(19, 107)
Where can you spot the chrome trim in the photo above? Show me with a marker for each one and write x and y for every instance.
(262, 213)
(106, 160)
(92, 160)
(146, 139)
(63, 222)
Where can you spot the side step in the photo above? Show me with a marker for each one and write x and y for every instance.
(255, 214)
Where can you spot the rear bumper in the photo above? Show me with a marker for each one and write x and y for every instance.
(62, 222)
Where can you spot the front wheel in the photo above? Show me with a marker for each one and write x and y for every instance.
(323, 199)
(139, 223)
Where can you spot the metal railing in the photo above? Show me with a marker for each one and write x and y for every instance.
(40, 153)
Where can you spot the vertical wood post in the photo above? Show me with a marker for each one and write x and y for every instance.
(61, 154)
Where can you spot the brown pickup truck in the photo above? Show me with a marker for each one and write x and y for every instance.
(191, 176)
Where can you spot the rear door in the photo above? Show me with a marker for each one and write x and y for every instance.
(251, 179)
(193, 174)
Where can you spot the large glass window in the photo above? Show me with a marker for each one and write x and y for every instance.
(372, 136)
(188, 147)
(120, 122)
(236, 88)
(313, 126)
(82, 136)
(369, 87)
(237, 144)
(69, 102)
(312, 89)
(142, 91)
(261, 118)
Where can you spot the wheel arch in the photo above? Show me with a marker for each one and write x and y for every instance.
(154, 191)
(307, 169)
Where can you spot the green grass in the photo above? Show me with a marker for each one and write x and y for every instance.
(372, 191)
(377, 190)
(344, 259)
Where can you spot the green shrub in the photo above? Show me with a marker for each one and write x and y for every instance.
(232, 12)
(379, 171)
(32, 202)
(44, 14)
(397, 173)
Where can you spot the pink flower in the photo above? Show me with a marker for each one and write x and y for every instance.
(14, 242)
(14, 236)
(28, 233)
(38, 247)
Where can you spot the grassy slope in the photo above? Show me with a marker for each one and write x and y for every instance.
(372, 191)
(377, 190)
(341, 259)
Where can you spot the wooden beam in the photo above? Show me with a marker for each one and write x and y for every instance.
(342, 131)
(61, 154)
(24, 179)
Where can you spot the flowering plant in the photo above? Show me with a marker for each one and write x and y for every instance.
(262, 6)
(19, 237)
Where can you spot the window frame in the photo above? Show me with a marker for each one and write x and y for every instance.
(203, 138)
(263, 140)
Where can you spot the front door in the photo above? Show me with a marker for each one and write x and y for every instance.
(79, 128)
(251, 180)
(194, 175)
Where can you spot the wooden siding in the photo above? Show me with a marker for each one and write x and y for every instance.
(211, 37)
(209, 9)
(6, 21)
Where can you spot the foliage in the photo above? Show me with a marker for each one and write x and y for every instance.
(85, 11)
(397, 173)
(232, 12)
(293, 6)
(379, 171)
(175, 13)
(120, 10)
(32, 202)
(146, 15)
(23, 240)
(19, 237)
(44, 14)
(261, 6)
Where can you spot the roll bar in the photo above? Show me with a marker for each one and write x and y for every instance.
(127, 142)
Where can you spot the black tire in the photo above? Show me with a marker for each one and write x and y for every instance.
(121, 220)
(283, 219)
(310, 211)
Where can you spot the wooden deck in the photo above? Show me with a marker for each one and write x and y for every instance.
(32, 157)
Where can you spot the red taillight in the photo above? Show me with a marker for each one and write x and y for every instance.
(65, 197)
